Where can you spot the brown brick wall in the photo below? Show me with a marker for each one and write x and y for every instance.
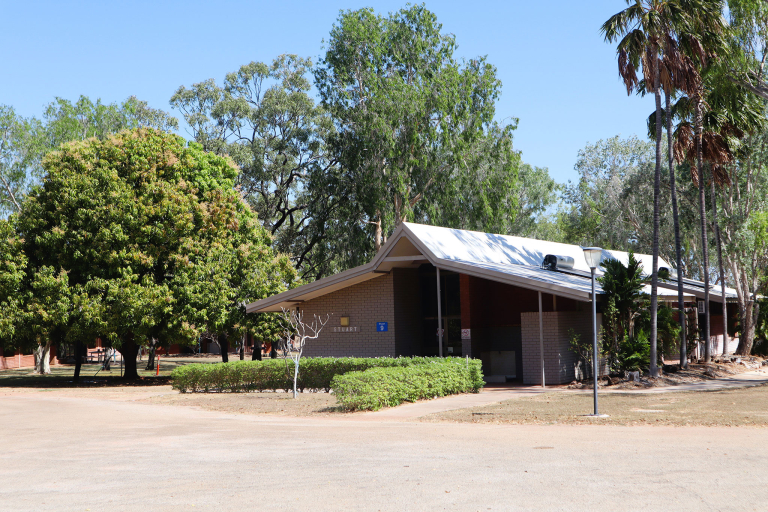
(559, 361)
(365, 304)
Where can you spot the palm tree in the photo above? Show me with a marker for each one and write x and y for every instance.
(677, 74)
(729, 116)
(643, 28)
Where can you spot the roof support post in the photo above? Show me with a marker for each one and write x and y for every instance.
(541, 340)
(439, 316)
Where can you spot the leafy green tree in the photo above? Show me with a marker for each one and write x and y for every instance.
(414, 126)
(24, 142)
(264, 119)
(19, 152)
(66, 121)
(129, 219)
(609, 203)
(744, 205)
(748, 20)
(13, 264)
(47, 305)
(536, 193)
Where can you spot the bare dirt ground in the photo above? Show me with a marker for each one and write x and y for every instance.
(695, 372)
(730, 408)
(278, 403)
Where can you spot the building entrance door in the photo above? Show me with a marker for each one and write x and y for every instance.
(450, 309)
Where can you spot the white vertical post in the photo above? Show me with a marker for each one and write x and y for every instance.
(439, 316)
(541, 340)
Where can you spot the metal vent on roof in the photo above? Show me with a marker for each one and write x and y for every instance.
(555, 262)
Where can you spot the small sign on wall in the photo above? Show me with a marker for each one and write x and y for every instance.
(382, 326)
(466, 334)
(346, 329)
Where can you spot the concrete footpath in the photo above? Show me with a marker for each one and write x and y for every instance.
(496, 394)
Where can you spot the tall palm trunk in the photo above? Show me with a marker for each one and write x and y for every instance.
(678, 250)
(720, 266)
(703, 214)
(653, 367)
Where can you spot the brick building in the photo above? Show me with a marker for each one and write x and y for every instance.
(440, 291)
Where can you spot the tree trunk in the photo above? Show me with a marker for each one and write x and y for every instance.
(295, 376)
(152, 350)
(720, 264)
(703, 216)
(256, 356)
(678, 249)
(748, 324)
(377, 233)
(43, 358)
(273, 350)
(242, 347)
(224, 345)
(653, 367)
(129, 350)
(78, 360)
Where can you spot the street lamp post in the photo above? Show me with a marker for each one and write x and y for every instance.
(592, 255)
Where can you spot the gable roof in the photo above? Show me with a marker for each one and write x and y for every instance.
(507, 259)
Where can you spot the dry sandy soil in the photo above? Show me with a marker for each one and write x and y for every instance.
(738, 407)
(279, 403)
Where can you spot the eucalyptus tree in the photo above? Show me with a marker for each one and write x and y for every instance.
(25, 141)
(66, 121)
(414, 124)
(536, 192)
(263, 117)
(748, 20)
(19, 152)
(744, 231)
(609, 203)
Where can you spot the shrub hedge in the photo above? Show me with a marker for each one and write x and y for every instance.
(387, 387)
(315, 373)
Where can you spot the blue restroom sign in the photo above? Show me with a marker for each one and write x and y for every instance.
(382, 326)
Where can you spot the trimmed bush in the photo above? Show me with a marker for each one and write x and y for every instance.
(315, 373)
(387, 387)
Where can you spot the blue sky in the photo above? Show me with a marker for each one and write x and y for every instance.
(559, 77)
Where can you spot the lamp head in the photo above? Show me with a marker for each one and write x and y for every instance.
(593, 256)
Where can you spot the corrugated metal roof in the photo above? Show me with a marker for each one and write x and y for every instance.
(509, 259)
(475, 246)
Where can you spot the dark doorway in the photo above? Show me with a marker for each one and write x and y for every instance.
(451, 311)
